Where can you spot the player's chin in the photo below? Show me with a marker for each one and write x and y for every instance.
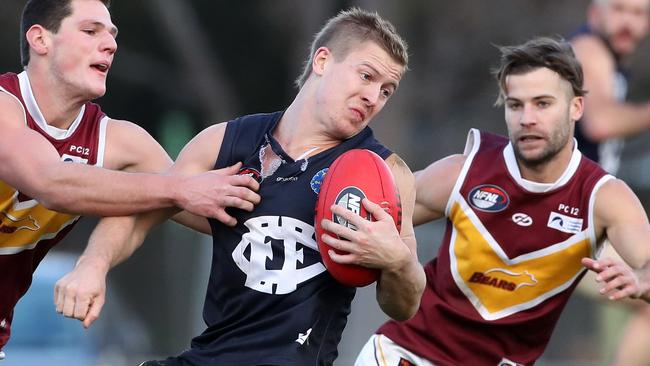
(96, 84)
(351, 130)
(96, 91)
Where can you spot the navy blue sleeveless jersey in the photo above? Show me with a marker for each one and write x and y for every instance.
(608, 152)
(270, 300)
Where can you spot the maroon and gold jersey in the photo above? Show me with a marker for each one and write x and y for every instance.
(508, 263)
(28, 229)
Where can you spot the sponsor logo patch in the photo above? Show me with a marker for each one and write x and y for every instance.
(564, 223)
(303, 338)
(522, 219)
(488, 198)
(73, 159)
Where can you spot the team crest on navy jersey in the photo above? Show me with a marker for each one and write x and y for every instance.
(488, 198)
(317, 180)
(251, 172)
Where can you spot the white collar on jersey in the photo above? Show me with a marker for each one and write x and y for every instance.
(513, 169)
(35, 112)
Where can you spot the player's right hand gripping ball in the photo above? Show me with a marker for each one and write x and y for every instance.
(355, 175)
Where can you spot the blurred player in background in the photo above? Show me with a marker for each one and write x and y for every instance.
(611, 35)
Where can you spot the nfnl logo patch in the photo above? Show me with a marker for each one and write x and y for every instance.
(350, 199)
(488, 198)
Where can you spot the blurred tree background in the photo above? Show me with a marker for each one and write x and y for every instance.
(182, 65)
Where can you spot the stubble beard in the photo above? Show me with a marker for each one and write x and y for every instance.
(554, 145)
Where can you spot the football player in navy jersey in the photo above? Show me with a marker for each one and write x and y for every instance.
(55, 142)
(527, 215)
(604, 45)
(270, 300)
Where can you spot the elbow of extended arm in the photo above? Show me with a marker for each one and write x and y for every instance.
(414, 304)
(408, 313)
(404, 305)
(404, 311)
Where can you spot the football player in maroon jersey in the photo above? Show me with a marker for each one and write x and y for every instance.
(527, 215)
(62, 156)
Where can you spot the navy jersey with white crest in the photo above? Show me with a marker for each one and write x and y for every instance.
(270, 300)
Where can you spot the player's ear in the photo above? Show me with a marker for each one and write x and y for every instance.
(576, 108)
(38, 39)
(321, 57)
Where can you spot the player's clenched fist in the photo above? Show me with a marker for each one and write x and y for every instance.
(81, 293)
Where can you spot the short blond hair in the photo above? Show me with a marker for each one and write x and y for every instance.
(349, 28)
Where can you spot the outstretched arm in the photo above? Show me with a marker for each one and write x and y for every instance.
(83, 189)
(620, 216)
(130, 148)
(80, 294)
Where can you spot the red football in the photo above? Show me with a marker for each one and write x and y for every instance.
(355, 175)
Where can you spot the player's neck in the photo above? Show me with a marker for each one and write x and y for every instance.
(58, 106)
(298, 132)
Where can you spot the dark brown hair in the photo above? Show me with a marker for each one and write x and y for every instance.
(554, 54)
(49, 14)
